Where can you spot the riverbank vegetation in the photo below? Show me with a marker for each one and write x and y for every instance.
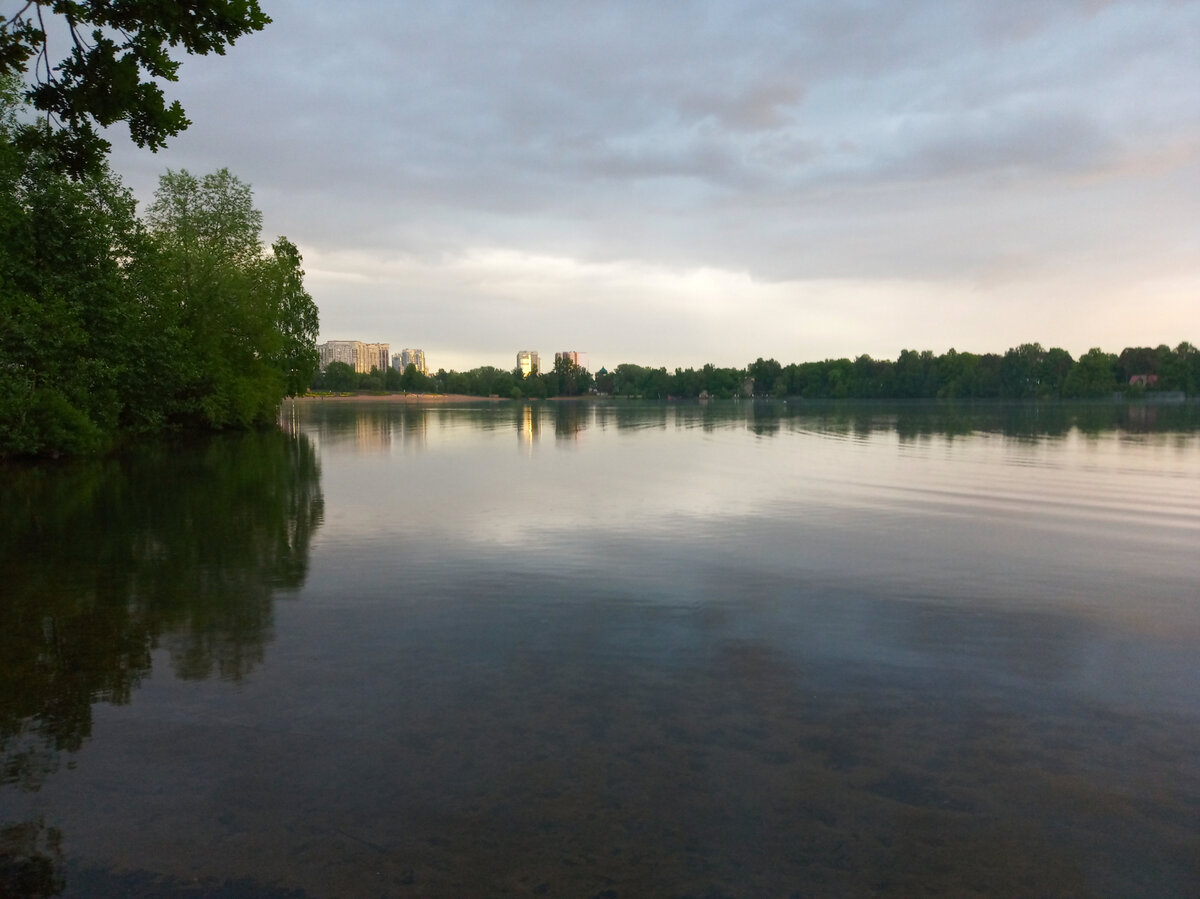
(114, 325)
(1025, 372)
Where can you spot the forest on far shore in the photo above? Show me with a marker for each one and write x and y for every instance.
(1025, 372)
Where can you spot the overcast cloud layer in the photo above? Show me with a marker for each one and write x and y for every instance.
(679, 183)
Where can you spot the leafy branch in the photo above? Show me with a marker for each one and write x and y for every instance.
(120, 51)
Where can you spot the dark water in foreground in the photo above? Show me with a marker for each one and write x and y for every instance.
(615, 651)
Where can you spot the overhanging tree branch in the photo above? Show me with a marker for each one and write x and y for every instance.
(113, 76)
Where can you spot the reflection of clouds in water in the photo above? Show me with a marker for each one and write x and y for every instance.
(1081, 522)
(1099, 527)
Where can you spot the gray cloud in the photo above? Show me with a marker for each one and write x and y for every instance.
(979, 153)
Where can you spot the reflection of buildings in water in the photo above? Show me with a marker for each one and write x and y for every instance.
(412, 429)
(370, 427)
(372, 433)
(528, 425)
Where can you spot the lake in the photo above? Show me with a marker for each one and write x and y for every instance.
(621, 649)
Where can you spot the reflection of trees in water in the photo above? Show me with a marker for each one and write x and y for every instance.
(177, 546)
(634, 414)
(570, 418)
(765, 418)
(908, 420)
(366, 422)
(31, 861)
(371, 426)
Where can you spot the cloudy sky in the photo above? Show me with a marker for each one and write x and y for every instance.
(674, 183)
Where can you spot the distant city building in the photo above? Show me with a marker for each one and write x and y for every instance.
(378, 355)
(362, 357)
(346, 351)
(528, 361)
(568, 355)
(413, 357)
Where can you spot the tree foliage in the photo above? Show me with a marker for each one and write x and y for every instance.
(118, 52)
(1027, 371)
(111, 326)
(64, 305)
(251, 326)
(1024, 372)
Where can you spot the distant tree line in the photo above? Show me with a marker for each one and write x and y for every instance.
(1025, 372)
(565, 379)
(114, 325)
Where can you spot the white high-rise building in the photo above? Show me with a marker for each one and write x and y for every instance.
(528, 361)
(413, 357)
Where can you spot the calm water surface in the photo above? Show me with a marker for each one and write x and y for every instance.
(618, 650)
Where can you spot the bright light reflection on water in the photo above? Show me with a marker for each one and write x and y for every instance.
(614, 650)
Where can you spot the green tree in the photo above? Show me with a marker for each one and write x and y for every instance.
(339, 376)
(1021, 370)
(120, 52)
(247, 324)
(839, 375)
(1142, 360)
(568, 378)
(69, 318)
(1056, 365)
(292, 349)
(1185, 366)
(766, 373)
(604, 381)
(372, 380)
(915, 374)
(1094, 375)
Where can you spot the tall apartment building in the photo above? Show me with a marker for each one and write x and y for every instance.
(406, 357)
(362, 357)
(347, 351)
(570, 355)
(528, 361)
(378, 356)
